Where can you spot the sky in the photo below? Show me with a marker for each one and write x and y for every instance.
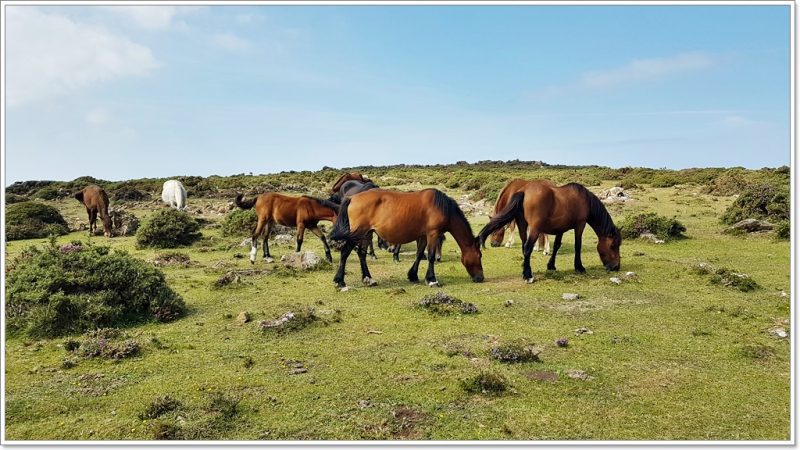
(121, 92)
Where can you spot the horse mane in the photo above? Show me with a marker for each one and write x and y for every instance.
(340, 181)
(449, 207)
(502, 191)
(326, 203)
(599, 218)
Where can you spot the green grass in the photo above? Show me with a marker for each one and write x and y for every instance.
(672, 355)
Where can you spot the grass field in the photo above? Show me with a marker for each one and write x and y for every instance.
(671, 355)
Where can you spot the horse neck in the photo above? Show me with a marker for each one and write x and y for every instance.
(599, 219)
(461, 231)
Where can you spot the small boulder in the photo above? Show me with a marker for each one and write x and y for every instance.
(752, 225)
(570, 296)
(614, 195)
(615, 280)
(243, 318)
(779, 332)
(283, 239)
(651, 237)
(579, 375)
(307, 260)
(583, 330)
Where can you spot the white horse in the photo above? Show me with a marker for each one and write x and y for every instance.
(174, 194)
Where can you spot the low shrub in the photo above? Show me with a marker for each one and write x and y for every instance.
(762, 201)
(239, 222)
(663, 227)
(486, 382)
(168, 228)
(516, 352)
(28, 220)
(159, 406)
(52, 292)
(783, 229)
(443, 304)
(127, 193)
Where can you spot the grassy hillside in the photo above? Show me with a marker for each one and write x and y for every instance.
(670, 355)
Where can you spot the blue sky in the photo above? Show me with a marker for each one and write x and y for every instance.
(121, 92)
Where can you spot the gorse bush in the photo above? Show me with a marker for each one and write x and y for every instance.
(783, 229)
(239, 222)
(663, 227)
(168, 228)
(761, 201)
(27, 220)
(53, 291)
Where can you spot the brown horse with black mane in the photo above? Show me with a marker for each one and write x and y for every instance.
(541, 207)
(402, 217)
(301, 212)
(95, 199)
(347, 177)
(511, 188)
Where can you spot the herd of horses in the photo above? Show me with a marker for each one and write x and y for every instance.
(360, 210)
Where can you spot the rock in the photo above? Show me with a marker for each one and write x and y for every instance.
(570, 296)
(78, 224)
(307, 260)
(284, 239)
(364, 404)
(779, 332)
(562, 342)
(298, 371)
(615, 280)
(579, 375)
(752, 225)
(583, 330)
(123, 223)
(243, 318)
(631, 275)
(509, 303)
(247, 243)
(344, 289)
(651, 237)
(614, 195)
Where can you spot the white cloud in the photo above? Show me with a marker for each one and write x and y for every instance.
(97, 116)
(248, 18)
(49, 55)
(152, 17)
(636, 71)
(229, 41)
(647, 69)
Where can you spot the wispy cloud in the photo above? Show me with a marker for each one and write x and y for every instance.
(230, 41)
(636, 71)
(153, 17)
(50, 54)
(97, 116)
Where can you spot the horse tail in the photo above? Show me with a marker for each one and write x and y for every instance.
(341, 229)
(180, 198)
(512, 210)
(79, 196)
(245, 204)
(330, 204)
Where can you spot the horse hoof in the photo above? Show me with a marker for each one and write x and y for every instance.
(343, 288)
(268, 260)
(374, 258)
(433, 284)
(529, 280)
(508, 245)
(370, 282)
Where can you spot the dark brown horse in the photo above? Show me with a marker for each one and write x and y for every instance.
(95, 199)
(301, 212)
(347, 177)
(541, 207)
(503, 198)
(402, 217)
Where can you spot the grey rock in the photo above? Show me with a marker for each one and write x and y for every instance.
(570, 296)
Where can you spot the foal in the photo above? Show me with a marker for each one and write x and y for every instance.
(301, 212)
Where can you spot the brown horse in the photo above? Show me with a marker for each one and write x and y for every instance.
(347, 177)
(541, 207)
(402, 217)
(301, 212)
(95, 199)
(503, 198)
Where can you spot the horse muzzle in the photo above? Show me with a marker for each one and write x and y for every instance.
(478, 278)
(612, 268)
(496, 243)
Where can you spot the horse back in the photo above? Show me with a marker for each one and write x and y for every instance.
(398, 217)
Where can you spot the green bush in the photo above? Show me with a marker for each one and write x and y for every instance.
(783, 229)
(53, 291)
(27, 220)
(14, 198)
(239, 222)
(486, 382)
(50, 193)
(760, 201)
(168, 228)
(663, 227)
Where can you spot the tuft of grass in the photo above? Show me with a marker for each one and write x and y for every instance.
(223, 404)
(516, 352)
(443, 304)
(486, 382)
(757, 351)
(159, 406)
(165, 431)
(726, 277)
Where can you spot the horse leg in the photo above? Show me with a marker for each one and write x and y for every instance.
(527, 250)
(439, 243)
(301, 231)
(510, 241)
(578, 234)
(412, 272)
(545, 239)
(396, 253)
(362, 259)
(321, 235)
(551, 265)
(254, 240)
(430, 276)
(265, 245)
(372, 247)
(522, 227)
(345, 252)
(92, 221)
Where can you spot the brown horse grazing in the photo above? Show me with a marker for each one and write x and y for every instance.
(301, 212)
(541, 207)
(95, 199)
(402, 217)
(347, 177)
(503, 198)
